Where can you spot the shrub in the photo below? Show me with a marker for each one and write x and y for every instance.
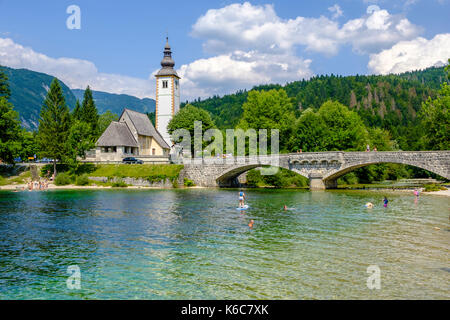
(82, 180)
(63, 179)
(188, 183)
(119, 184)
(434, 187)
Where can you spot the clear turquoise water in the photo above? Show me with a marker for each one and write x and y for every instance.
(194, 244)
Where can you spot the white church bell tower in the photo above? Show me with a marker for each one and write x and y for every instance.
(167, 94)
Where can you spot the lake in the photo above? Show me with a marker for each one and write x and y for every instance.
(194, 244)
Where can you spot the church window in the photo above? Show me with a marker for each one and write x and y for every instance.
(165, 84)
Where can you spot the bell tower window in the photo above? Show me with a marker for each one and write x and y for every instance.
(165, 84)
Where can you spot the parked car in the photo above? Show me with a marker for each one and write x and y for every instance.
(45, 160)
(18, 160)
(131, 160)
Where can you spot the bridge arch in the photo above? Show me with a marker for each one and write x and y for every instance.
(229, 178)
(330, 179)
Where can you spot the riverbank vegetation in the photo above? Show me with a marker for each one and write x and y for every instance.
(114, 173)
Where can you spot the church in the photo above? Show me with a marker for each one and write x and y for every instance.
(134, 134)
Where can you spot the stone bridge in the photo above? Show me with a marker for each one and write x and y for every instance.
(321, 168)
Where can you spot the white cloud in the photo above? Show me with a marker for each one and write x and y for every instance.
(336, 10)
(75, 73)
(238, 70)
(251, 45)
(419, 53)
(252, 27)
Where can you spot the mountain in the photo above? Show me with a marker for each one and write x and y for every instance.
(117, 102)
(391, 102)
(29, 88)
(28, 91)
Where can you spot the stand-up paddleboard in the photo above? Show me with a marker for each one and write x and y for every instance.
(243, 208)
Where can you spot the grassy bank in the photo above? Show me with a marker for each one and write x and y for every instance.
(151, 173)
(21, 179)
(80, 175)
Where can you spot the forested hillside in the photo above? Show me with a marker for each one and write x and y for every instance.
(390, 102)
(115, 103)
(28, 91)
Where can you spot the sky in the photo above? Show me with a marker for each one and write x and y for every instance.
(220, 47)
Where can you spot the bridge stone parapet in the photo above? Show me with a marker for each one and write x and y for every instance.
(321, 168)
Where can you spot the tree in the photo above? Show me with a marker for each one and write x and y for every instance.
(185, 119)
(269, 110)
(152, 117)
(9, 131)
(435, 118)
(309, 133)
(29, 145)
(54, 124)
(381, 139)
(332, 128)
(79, 141)
(105, 120)
(76, 113)
(89, 113)
(4, 86)
(346, 130)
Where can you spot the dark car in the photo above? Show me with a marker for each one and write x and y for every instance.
(132, 160)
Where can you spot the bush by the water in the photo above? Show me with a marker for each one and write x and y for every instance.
(434, 187)
(82, 180)
(188, 183)
(282, 179)
(119, 184)
(63, 179)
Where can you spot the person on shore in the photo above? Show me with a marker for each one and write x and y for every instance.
(386, 202)
(367, 148)
(241, 199)
(375, 149)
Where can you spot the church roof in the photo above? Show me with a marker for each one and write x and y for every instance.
(117, 134)
(167, 63)
(144, 127)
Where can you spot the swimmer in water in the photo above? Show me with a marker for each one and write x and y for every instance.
(369, 205)
(386, 201)
(241, 199)
(252, 222)
(285, 208)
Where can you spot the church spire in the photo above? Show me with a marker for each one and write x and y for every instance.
(167, 62)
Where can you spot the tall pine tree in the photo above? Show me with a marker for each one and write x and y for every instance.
(4, 86)
(89, 112)
(54, 124)
(76, 113)
(10, 132)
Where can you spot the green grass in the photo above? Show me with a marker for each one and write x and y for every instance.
(434, 187)
(22, 179)
(152, 173)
